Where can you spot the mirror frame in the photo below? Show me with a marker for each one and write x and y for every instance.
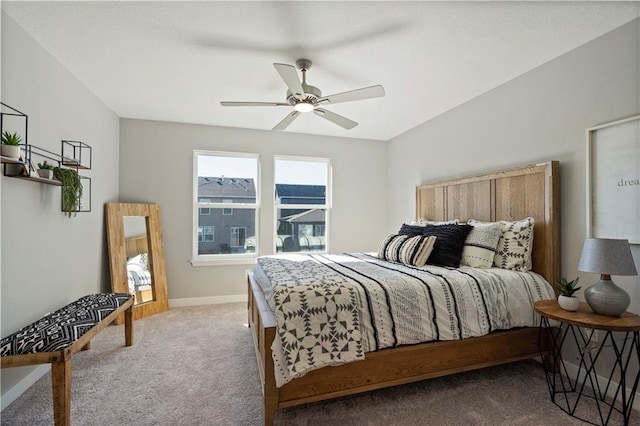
(114, 214)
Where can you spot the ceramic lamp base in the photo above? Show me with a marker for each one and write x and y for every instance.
(606, 298)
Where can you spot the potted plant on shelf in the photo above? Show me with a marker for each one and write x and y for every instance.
(45, 170)
(567, 300)
(11, 145)
(71, 189)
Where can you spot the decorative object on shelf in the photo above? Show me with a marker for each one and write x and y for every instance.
(567, 300)
(45, 170)
(71, 189)
(12, 119)
(11, 144)
(607, 257)
(613, 180)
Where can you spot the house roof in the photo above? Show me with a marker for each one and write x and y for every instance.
(225, 187)
(310, 216)
(300, 191)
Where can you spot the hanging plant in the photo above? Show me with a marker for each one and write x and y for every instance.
(71, 189)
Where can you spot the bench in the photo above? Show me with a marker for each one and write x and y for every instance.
(56, 337)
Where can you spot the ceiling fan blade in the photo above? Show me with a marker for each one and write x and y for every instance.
(335, 118)
(228, 103)
(291, 79)
(287, 120)
(354, 95)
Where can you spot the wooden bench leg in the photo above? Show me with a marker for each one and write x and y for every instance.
(128, 326)
(61, 381)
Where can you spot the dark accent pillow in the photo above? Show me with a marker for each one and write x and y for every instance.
(411, 230)
(447, 251)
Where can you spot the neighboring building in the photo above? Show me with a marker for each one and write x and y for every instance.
(300, 229)
(225, 230)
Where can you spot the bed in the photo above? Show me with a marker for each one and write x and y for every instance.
(529, 191)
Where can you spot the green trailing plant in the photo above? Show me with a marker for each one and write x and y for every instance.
(45, 166)
(568, 288)
(71, 189)
(11, 138)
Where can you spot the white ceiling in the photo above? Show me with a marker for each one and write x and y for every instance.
(175, 61)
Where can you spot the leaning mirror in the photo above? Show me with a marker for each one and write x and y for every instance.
(136, 258)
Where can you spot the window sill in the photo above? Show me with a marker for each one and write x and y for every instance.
(235, 260)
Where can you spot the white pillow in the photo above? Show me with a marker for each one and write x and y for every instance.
(481, 244)
(515, 245)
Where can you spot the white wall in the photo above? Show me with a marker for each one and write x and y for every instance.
(156, 166)
(48, 260)
(541, 115)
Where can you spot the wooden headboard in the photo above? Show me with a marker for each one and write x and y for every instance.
(512, 194)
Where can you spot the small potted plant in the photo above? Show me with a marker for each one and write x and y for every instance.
(11, 145)
(45, 170)
(567, 300)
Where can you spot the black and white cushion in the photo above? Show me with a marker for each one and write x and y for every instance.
(62, 328)
(481, 244)
(515, 245)
(407, 249)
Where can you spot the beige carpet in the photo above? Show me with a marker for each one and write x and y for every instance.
(197, 366)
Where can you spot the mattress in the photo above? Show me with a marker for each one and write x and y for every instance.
(374, 304)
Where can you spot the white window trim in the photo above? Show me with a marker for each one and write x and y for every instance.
(208, 209)
(223, 259)
(326, 205)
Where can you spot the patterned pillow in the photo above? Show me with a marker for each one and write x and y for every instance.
(515, 245)
(407, 249)
(481, 244)
(447, 251)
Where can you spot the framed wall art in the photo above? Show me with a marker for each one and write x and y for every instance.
(613, 180)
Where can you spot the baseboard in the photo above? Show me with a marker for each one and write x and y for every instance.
(572, 371)
(24, 384)
(210, 300)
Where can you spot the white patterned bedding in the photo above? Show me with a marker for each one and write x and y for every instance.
(374, 304)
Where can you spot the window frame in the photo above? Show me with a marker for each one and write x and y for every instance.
(224, 258)
(208, 209)
(327, 206)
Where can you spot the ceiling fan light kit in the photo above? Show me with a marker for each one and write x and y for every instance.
(306, 98)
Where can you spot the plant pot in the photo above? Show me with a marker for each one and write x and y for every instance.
(45, 173)
(569, 303)
(11, 151)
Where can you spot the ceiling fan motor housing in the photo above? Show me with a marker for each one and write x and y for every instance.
(311, 95)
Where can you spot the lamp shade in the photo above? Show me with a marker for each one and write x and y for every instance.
(607, 256)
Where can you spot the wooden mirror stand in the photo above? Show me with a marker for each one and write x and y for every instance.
(153, 299)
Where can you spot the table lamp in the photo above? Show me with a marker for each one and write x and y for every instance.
(607, 257)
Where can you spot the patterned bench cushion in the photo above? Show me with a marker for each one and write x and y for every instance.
(62, 328)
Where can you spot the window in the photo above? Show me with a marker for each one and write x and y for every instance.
(205, 211)
(238, 236)
(208, 233)
(220, 180)
(227, 212)
(302, 202)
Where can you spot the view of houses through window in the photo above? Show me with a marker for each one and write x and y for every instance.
(226, 204)
(225, 179)
(302, 204)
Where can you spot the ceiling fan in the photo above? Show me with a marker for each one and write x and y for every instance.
(306, 98)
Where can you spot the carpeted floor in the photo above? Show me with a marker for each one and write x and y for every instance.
(197, 366)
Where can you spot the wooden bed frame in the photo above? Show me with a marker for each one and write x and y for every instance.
(506, 195)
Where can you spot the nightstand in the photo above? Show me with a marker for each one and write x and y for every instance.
(576, 389)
